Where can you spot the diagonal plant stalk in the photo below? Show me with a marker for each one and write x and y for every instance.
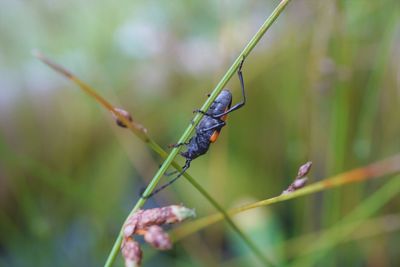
(374, 170)
(231, 71)
(186, 135)
(142, 133)
(358, 230)
(366, 209)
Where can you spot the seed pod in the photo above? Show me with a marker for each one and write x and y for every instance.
(156, 237)
(300, 180)
(123, 113)
(142, 219)
(148, 223)
(304, 169)
(131, 252)
(299, 183)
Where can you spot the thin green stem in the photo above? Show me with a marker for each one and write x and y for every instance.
(378, 169)
(186, 135)
(370, 206)
(141, 132)
(368, 228)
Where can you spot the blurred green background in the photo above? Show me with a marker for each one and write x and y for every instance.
(322, 85)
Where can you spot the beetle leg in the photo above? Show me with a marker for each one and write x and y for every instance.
(235, 107)
(243, 102)
(177, 145)
(184, 168)
(170, 173)
(202, 112)
(217, 125)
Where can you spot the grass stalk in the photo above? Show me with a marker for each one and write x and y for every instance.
(378, 169)
(141, 132)
(189, 130)
(366, 209)
(370, 228)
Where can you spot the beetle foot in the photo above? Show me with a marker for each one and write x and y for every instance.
(202, 112)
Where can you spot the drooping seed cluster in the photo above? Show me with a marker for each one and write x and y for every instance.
(148, 224)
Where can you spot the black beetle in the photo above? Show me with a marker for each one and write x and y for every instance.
(209, 128)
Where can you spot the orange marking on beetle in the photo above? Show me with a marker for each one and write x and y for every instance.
(214, 136)
(223, 118)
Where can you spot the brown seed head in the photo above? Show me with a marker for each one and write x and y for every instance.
(304, 169)
(125, 114)
(131, 252)
(142, 219)
(156, 237)
(299, 183)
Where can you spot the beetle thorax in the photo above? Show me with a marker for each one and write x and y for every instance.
(221, 103)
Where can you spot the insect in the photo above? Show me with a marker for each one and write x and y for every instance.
(209, 128)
